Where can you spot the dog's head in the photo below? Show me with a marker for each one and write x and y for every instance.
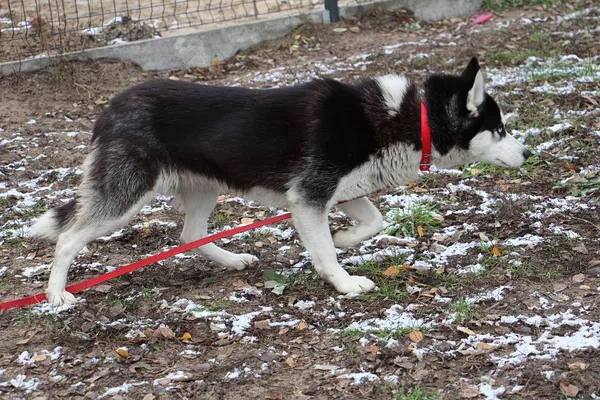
(467, 123)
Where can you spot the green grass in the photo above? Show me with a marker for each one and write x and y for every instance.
(580, 186)
(417, 393)
(259, 235)
(465, 311)
(221, 219)
(158, 346)
(218, 305)
(353, 332)
(406, 222)
(397, 333)
(528, 169)
(389, 288)
(513, 57)
(560, 71)
(33, 211)
(518, 270)
(499, 5)
(51, 323)
(305, 280)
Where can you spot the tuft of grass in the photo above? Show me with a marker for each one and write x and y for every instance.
(389, 288)
(465, 311)
(518, 270)
(218, 305)
(158, 346)
(353, 332)
(406, 222)
(417, 393)
(221, 219)
(53, 324)
(307, 280)
(259, 235)
(397, 333)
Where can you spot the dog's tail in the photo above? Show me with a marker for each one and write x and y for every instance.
(55, 221)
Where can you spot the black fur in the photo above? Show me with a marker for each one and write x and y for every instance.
(451, 122)
(246, 138)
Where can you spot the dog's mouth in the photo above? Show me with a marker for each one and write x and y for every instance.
(502, 163)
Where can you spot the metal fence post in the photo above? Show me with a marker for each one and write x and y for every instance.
(334, 10)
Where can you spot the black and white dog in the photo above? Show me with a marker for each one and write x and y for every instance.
(305, 147)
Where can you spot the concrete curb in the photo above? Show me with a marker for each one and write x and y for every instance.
(198, 49)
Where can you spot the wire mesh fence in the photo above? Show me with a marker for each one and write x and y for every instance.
(38, 28)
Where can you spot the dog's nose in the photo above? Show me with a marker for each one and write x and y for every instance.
(527, 153)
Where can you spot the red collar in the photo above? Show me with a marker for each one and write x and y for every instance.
(425, 139)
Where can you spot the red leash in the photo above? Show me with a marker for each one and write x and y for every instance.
(78, 287)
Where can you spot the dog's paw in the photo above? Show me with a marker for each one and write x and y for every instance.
(354, 284)
(347, 237)
(241, 261)
(60, 298)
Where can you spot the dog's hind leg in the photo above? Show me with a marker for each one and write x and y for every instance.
(88, 225)
(198, 205)
(368, 217)
(313, 226)
(117, 183)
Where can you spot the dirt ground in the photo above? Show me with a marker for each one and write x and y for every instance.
(493, 291)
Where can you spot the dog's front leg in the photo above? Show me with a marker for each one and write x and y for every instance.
(313, 226)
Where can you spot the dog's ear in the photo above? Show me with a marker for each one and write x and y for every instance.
(473, 75)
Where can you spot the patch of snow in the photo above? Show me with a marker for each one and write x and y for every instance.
(358, 378)
(124, 388)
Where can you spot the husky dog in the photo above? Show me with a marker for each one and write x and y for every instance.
(305, 147)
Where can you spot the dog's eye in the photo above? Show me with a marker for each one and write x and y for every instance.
(500, 131)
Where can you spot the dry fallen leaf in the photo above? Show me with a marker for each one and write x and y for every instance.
(578, 366)
(570, 167)
(420, 230)
(373, 349)
(274, 396)
(163, 332)
(467, 391)
(465, 330)
(581, 249)
(262, 324)
(185, 336)
(578, 278)
(40, 357)
(568, 389)
(559, 287)
(496, 251)
(239, 284)
(247, 221)
(415, 336)
(391, 272)
(291, 362)
(29, 335)
(302, 325)
(284, 330)
(502, 330)
(123, 352)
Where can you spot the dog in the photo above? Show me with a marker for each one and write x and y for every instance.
(305, 148)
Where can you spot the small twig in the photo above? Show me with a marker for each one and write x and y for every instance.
(89, 92)
(584, 220)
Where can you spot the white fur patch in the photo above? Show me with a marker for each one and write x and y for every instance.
(476, 94)
(506, 152)
(393, 88)
(45, 226)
